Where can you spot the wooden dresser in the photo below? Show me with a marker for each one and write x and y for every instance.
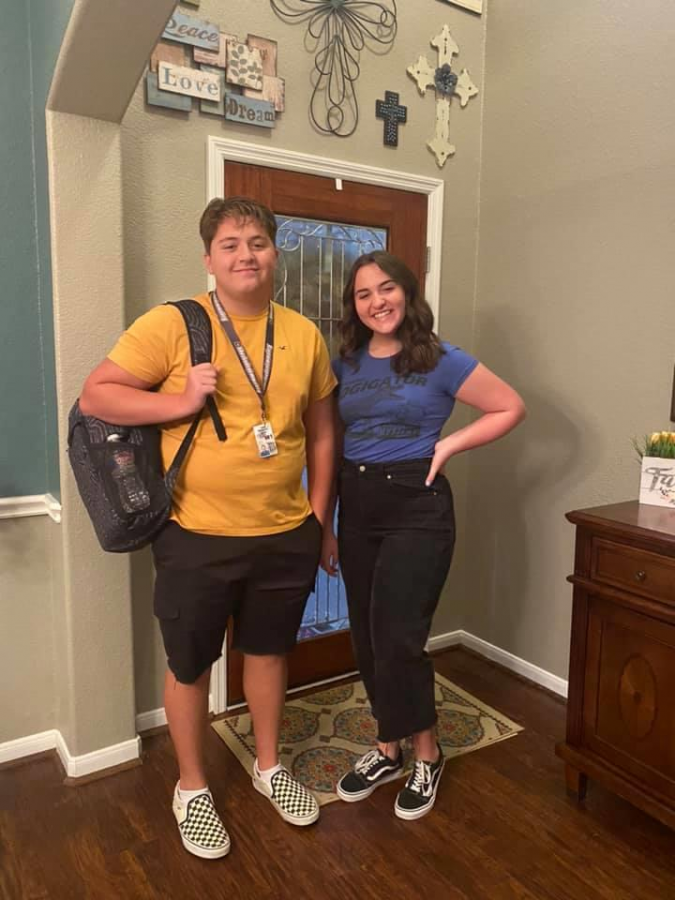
(621, 705)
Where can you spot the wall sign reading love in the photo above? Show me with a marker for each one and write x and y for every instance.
(231, 78)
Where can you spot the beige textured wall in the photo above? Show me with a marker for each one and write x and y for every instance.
(573, 306)
(29, 696)
(574, 300)
(92, 632)
(96, 653)
(164, 183)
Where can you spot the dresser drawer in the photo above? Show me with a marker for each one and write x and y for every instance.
(634, 570)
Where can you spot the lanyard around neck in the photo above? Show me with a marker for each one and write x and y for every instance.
(243, 356)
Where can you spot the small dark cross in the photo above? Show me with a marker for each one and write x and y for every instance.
(393, 114)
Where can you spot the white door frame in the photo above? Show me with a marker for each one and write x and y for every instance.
(219, 150)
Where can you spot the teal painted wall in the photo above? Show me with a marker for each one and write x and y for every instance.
(47, 21)
(22, 377)
(29, 46)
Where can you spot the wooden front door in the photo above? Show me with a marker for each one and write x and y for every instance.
(324, 225)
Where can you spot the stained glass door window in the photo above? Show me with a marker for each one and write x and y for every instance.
(315, 261)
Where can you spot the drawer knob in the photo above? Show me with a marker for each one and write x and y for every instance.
(640, 576)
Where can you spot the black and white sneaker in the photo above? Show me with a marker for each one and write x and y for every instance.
(369, 772)
(292, 800)
(419, 794)
(200, 827)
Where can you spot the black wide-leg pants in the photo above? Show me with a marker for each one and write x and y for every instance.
(396, 538)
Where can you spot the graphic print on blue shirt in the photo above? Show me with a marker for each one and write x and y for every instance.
(390, 417)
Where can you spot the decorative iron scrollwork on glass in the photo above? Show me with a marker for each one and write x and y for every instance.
(315, 261)
(341, 29)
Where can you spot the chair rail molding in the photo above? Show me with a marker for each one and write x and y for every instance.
(34, 505)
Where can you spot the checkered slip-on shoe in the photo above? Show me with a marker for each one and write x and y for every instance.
(292, 800)
(373, 769)
(419, 794)
(200, 827)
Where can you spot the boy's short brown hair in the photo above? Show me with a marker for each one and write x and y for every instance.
(240, 208)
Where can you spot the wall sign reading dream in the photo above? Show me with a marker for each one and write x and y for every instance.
(249, 112)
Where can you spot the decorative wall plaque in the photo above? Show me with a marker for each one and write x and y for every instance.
(393, 114)
(446, 84)
(249, 112)
(215, 107)
(190, 30)
(268, 52)
(244, 65)
(473, 5)
(340, 29)
(166, 51)
(165, 99)
(185, 80)
(234, 79)
(217, 58)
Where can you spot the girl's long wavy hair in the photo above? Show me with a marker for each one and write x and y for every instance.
(421, 348)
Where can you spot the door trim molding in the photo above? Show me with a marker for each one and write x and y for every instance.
(220, 149)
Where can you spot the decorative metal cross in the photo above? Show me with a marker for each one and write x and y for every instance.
(447, 83)
(393, 114)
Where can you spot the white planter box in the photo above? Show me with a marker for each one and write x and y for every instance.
(657, 481)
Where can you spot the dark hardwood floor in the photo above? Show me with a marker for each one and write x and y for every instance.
(503, 828)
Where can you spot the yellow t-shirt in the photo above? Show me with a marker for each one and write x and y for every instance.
(225, 487)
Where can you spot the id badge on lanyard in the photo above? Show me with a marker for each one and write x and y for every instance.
(263, 433)
(264, 438)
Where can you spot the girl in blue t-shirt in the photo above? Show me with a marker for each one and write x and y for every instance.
(398, 384)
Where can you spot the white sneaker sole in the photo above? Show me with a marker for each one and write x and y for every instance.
(366, 792)
(287, 817)
(195, 849)
(204, 852)
(409, 815)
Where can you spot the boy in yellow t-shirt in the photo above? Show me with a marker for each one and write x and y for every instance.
(244, 538)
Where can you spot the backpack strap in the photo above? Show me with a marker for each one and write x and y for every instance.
(199, 331)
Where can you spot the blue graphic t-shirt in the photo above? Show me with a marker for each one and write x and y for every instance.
(390, 417)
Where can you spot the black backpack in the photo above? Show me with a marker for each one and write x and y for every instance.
(118, 468)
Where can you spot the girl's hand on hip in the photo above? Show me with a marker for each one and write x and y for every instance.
(442, 453)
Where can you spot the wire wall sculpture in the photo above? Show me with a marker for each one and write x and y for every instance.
(341, 29)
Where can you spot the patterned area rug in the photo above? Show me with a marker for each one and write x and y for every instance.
(324, 733)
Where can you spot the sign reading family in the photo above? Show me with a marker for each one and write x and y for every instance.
(657, 482)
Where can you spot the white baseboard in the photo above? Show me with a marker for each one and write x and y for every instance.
(27, 746)
(107, 757)
(503, 657)
(154, 718)
(443, 641)
(75, 766)
(35, 505)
